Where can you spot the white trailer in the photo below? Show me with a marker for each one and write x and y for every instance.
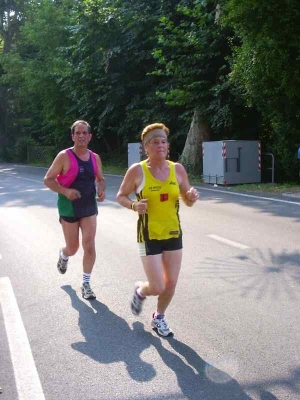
(230, 162)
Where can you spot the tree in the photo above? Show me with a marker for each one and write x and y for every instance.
(191, 51)
(114, 44)
(266, 71)
(35, 69)
(11, 18)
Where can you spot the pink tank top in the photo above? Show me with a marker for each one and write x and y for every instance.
(69, 177)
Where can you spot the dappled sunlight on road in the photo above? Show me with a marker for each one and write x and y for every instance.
(258, 273)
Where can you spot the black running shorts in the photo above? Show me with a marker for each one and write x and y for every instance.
(152, 247)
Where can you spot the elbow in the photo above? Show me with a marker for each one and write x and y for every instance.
(46, 181)
(118, 197)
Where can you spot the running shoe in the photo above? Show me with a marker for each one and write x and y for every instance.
(137, 301)
(87, 292)
(62, 264)
(161, 326)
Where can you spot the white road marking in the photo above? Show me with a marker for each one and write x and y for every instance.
(12, 174)
(0, 257)
(26, 375)
(23, 178)
(229, 242)
(249, 195)
(24, 191)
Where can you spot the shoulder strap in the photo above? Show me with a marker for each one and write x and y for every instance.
(94, 161)
(172, 170)
(72, 157)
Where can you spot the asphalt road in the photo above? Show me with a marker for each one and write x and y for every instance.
(235, 313)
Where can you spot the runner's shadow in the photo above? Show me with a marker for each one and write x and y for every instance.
(264, 395)
(109, 339)
(196, 378)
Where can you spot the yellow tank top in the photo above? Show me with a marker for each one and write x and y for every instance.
(162, 218)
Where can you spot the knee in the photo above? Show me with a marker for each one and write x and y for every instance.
(171, 286)
(89, 246)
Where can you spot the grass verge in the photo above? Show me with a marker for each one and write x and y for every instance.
(276, 188)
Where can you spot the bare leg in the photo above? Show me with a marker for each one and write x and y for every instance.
(88, 227)
(71, 234)
(154, 272)
(171, 264)
(162, 272)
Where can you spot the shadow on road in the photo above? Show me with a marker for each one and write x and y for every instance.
(291, 383)
(22, 186)
(267, 396)
(196, 378)
(257, 273)
(109, 339)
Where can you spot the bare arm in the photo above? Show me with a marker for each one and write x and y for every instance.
(100, 180)
(131, 182)
(50, 180)
(188, 193)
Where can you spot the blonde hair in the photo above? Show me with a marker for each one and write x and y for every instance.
(151, 127)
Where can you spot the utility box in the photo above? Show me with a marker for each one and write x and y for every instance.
(135, 153)
(230, 162)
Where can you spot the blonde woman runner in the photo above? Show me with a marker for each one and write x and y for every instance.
(157, 183)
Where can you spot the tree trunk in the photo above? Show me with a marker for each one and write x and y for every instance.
(218, 13)
(191, 156)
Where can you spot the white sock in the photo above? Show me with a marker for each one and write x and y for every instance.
(138, 290)
(63, 256)
(158, 315)
(86, 278)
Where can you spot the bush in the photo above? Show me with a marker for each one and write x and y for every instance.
(20, 153)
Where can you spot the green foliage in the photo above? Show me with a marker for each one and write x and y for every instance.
(34, 70)
(20, 153)
(112, 59)
(266, 70)
(192, 53)
(121, 64)
(6, 154)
